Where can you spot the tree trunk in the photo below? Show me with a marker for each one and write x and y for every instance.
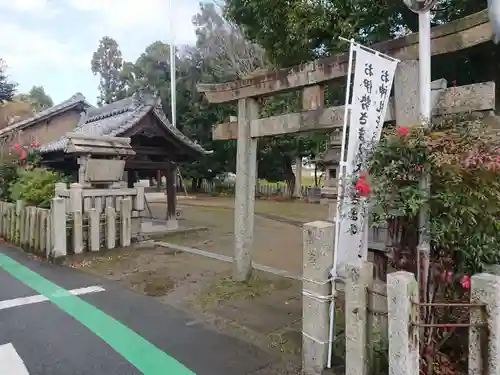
(194, 184)
(288, 174)
(171, 176)
(316, 182)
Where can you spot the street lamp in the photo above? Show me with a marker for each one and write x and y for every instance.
(418, 6)
(494, 15)
(422, 8)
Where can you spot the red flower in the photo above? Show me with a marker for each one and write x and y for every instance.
(362, 186)
(35, 144)
(17, 146)
(465, 281)
(447, 276)
(401, 131)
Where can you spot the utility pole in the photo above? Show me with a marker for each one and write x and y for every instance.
(172, 64)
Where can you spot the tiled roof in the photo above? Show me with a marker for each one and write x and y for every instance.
(116, 118)
(77, 99)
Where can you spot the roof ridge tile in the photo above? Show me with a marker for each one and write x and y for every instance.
(122, 116)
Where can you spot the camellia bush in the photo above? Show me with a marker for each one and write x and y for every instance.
(15, 157)
(21, 177)
(460, 160)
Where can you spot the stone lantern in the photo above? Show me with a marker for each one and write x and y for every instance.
(330, 163)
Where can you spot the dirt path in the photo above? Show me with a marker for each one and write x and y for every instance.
(296, 210)
(276, 244)
(277, 239)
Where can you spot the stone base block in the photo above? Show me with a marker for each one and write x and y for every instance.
(172, 224)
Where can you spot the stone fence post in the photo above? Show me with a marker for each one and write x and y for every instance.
(139, 201)
(125, 222)
(318, 239)
(76, 204)
(58, 227)
(484, 343)
(60, 189)
(359, 278)
(19, 221)
(402, 293)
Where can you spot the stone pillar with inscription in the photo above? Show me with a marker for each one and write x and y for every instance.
(317, 257)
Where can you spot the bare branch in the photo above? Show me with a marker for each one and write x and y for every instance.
(222, 41)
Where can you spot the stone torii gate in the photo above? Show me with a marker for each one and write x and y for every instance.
(310, 78)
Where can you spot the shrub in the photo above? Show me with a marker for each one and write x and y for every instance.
(462, 159)
(15, 157)
(463, 162)
(34, 186)
(8, 175)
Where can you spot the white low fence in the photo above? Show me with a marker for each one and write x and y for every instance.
(78, 199)
(79, 220)
(28, 227)
(267, 189)
(97, 218)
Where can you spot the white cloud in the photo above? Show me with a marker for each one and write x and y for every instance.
(134, 16)
(24, 48)
(40, 8)
(24, 5)
(39, 50)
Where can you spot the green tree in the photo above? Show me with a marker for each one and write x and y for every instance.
(107, 62)
(7, 88)
(197, 118)
(231, 56)
(151, 73)
(37, 98)
(295, 31)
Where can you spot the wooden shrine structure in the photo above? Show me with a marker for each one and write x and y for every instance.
(155, 145)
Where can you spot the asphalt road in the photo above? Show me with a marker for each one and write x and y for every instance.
(109, 331)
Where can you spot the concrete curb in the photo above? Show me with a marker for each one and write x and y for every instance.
(225, 258)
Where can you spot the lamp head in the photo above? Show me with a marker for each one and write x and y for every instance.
(419, 6)
(494, 16)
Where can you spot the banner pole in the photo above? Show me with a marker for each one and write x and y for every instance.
(333, 272)
(369, 49)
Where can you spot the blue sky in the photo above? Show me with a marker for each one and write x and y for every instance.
(50, 42)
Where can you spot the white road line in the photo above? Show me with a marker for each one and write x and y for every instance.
(10, 362)
(7, 304)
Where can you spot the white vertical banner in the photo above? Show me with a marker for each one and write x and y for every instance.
(365, 115)
(372, 84)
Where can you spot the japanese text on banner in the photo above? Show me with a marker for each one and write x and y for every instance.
(372, 84)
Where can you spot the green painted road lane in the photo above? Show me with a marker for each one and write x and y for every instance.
(146, 357)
